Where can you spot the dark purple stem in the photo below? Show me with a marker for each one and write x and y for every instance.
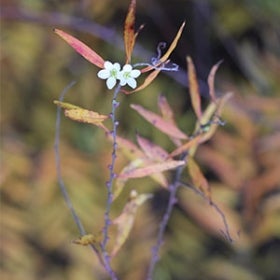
(109, 185)
(163, 224)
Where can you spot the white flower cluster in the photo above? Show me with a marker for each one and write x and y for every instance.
(112, 73)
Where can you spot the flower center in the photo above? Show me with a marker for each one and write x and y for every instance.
(114, 73)
(126, 75)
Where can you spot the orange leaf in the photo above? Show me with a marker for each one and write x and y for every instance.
(81, 48)
(211, 79)
(129, 32)
(169, 51)
(161, 124)
(198, 178)
(151, 169)
(147, 81)
(193, 142)
(194, 88)
(151, 150)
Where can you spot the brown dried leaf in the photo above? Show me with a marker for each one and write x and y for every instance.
(129, 32)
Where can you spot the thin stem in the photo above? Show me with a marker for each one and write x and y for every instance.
(109, 185)
(62, 187)
(225, 233)
(163, 224)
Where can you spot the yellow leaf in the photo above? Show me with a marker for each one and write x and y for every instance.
(198, 178)
(194, 88)
(88, 239)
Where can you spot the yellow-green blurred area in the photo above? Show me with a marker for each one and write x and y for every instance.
(241, 162)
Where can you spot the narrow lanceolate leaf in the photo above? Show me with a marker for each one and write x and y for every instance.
(146, 82)
(126, 219)
(81, 48)
(185, 147)
(65, 105)
(161, 124)
(198, 179)
(151, 169)
(165, 109)
(167, 114)
(129, 31)
(194, 89)
(173, 45)
(151, 150)
(211, 79)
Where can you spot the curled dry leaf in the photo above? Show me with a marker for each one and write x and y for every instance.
(79, 114)
(129, 32)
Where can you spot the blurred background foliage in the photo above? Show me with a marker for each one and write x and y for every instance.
(242, 161)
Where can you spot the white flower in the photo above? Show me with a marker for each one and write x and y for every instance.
(128, 75)
(110, 72)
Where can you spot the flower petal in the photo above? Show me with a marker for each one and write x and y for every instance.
(103, 74)
(132, 83)
(111, 82)
(135, 73)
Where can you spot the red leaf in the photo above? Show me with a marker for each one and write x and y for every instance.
(151, 169)
(194, 89)
(161, 124)
(151, 150)
(81, 48)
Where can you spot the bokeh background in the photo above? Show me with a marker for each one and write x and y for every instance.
(242, 161)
